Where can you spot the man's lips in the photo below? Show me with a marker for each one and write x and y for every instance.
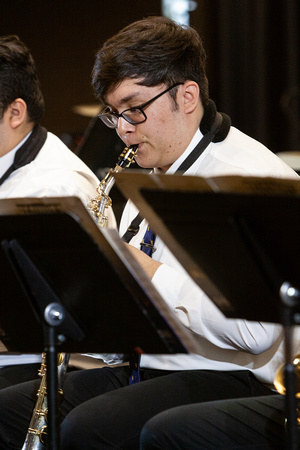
(138, 147)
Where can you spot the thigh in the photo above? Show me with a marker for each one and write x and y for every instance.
(249, 423)
(207, 385)
(16, 406)
(19, 373)
(115, 420)
(83, 385)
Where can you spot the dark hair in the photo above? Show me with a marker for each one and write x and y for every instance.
(18, 78)
(155, 49)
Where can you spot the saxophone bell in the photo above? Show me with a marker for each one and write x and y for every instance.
(36, 438)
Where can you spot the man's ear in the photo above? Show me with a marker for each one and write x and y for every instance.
(190, 96)
(17, 113)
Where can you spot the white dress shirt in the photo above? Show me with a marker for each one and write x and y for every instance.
(226, 344)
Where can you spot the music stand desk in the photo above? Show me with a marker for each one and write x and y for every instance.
(238, 238)
(68, 286)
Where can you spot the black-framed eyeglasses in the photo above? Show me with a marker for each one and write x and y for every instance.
(131, 115)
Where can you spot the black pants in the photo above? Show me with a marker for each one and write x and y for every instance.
(100, 410)
(18, 373)
(248, 423)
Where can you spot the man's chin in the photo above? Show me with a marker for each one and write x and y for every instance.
(142, 163)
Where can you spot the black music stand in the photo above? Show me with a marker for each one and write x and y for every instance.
(232, 226)
(68, 286)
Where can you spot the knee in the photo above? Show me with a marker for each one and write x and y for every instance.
(71, 432)
(151, 435)
(84, 427)
(146, 439)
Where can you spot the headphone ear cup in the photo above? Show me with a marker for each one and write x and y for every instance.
(223, 128)
(212, 122)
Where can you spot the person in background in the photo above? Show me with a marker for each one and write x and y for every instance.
(151, 77)
(33, 162)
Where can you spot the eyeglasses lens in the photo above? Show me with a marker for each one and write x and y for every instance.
(109, 120)
(132, 115)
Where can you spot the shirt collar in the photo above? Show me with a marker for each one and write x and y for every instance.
(197, 137)
(7, 160)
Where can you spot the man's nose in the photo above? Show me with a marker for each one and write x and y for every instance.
(124, 127)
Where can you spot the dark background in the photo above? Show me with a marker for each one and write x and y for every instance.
(253, 61)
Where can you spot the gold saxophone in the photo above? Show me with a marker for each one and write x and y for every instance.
(102, 201)
(36, 437)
